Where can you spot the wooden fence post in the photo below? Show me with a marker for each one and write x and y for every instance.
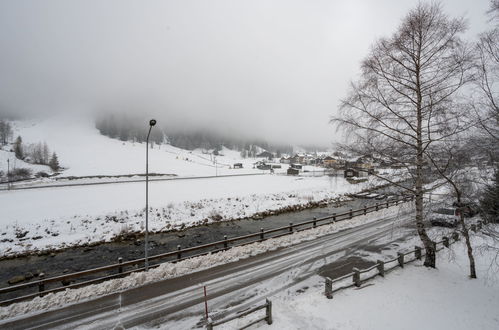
(120, 268)
(334, 217)
(377, 206)
(226, 244)
(400, 259)
(329, 288)
(290, 227)
(417, 252)
(261, 234)
(381, 267)
(268, 310)
(179, 254)
(41, 286)
(365, 209)
(356, 277)
(351, 213)
(455, 236)
(387, 204)
(445, 240)
(315, 222)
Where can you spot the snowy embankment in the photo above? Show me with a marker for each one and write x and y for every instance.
(415, 297)
(62, 217)
(171, 270)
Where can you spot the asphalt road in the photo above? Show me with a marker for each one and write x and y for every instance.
(236, 285)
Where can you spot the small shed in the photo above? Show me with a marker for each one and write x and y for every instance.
(293, 171)
(238, 165)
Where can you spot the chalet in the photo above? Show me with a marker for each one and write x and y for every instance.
(330, 161)
(284, 160)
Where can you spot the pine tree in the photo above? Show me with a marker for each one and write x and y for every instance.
(18, 148)
(54, 163)
(490, 201)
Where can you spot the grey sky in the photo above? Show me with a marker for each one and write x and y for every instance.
(271, 68)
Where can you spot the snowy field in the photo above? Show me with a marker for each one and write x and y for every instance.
(66, 216)
(83, 151)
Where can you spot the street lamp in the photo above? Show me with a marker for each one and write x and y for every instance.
(152, 122)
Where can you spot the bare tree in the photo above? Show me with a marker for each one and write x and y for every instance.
(447, 159)
(404, 102)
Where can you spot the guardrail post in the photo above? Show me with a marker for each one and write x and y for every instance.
(261, 234)
(400, 259)
(314, 224)
(226, 244)
(365, 209)
(268, 311)
(328, 290)
(445, 240)
(179, 254)
(356, 277)
(417, 252)
(381, 267)
(290, 227)
(473, 228)
(120, 268)
(455, 236)
(41, 286)
(351, 213)
(377, 206)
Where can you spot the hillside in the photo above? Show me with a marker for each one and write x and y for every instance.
(83, 151)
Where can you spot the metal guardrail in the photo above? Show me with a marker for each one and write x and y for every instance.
(268, 316)
(380, 266)
(180, 254)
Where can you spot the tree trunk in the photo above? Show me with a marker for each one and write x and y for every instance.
(465, 232)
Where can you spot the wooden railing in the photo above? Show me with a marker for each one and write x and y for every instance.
(268, 316)
(380, 268)
(122, 268)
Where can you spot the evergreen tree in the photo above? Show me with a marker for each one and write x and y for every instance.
(18, 148)
(490, 200)
(54, 163)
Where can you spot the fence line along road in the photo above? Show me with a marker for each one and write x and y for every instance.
(380, 266)
(63, 282)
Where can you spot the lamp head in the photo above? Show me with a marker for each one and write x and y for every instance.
(152, 122)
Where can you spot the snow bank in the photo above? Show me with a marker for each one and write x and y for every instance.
(170, 270)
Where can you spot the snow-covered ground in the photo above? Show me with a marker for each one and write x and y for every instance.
(411, 298)
(60, 217)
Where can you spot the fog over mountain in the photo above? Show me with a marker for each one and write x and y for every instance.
(268, 69)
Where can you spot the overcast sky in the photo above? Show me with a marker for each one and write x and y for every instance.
(276, 69)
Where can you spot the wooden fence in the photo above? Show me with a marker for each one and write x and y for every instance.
(268, 316)
(122, 268)
(360, 276)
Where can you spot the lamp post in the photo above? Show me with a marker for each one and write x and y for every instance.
(152, 122)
